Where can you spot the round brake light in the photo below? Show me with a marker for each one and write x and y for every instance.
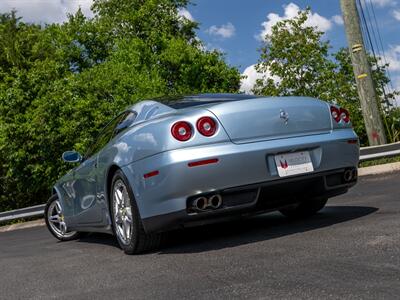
(206, 126)
(344, 115)
(182, 131)
(335, 112)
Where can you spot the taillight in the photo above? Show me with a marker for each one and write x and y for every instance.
(339, 114)
(182, 131)
(335, 112)
(344, 115)
(206, 126)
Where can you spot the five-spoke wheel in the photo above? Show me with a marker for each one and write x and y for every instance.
(122, 212)
(127, 224)
(55, 220)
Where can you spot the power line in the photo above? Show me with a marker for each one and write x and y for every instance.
(378, 50)
(362, 73)
(371, 25)
(381, 45)
(386, 101)
(368, 34)
(366, 27)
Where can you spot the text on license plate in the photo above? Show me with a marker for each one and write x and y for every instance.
(293, 163)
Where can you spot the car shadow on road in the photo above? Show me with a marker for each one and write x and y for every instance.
(99, 238)
(255, 229)
(243, 231)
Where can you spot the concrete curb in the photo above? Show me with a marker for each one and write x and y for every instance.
(24, 225)
(379, 169)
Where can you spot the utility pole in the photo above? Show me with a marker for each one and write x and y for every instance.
(362, 72)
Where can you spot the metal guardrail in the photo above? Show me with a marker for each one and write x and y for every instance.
(383, 151)
(366, 153)
(33, 211)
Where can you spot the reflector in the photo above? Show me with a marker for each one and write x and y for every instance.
(203, 162)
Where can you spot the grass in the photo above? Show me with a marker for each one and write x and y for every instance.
(17, 221)
(379, 161)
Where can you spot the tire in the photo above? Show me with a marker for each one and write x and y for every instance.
(305, 208)
(55, 220)
(126, 221)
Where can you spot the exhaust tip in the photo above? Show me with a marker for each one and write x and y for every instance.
(200, 203)
(348, 175)
(215, 201)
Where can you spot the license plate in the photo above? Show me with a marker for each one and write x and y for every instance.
(293, 163)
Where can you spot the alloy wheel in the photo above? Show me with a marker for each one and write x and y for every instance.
(55, 217)
(122, 212)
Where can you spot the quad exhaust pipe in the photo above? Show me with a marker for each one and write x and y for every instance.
(202, 203)
(349, 175)
(215, 201)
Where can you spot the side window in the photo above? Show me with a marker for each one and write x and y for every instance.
(129, 118)
(105, 135)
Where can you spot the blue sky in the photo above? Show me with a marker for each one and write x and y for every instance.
(247, 18)
(243, 21)
(234, 26)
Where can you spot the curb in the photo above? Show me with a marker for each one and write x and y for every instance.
(379, 169)
(24, 225)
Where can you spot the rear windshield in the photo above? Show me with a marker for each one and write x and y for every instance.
(185, 104)
(203, 99)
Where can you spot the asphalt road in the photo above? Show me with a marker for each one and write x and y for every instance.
(350, 250)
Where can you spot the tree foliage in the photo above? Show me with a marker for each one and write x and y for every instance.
(60, 83)
(297, 60)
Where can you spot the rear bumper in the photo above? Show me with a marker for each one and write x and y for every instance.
(238, 165)
(257, 198)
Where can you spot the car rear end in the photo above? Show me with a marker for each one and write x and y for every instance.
(240, 157)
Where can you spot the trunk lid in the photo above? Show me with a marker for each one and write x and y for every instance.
(272, 118)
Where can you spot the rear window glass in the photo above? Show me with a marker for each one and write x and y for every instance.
(203, 99)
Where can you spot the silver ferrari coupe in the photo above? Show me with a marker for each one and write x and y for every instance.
(191, 160)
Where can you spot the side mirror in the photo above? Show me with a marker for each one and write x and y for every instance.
(71, 157)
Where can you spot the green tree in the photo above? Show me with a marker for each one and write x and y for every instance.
(59, 84)
(296, 55)
(298, 61)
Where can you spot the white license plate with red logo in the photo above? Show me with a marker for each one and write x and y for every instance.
(293, 163)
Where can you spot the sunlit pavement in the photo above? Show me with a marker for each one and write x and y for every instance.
(349, 250)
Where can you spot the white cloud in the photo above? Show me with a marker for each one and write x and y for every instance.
(291, 11)
(384, 3)
(224, 31)
(46, 11)
(183, 12)
(396, 14)
(393, 58)
(247, 84)
(338, 19)
(213, 47)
